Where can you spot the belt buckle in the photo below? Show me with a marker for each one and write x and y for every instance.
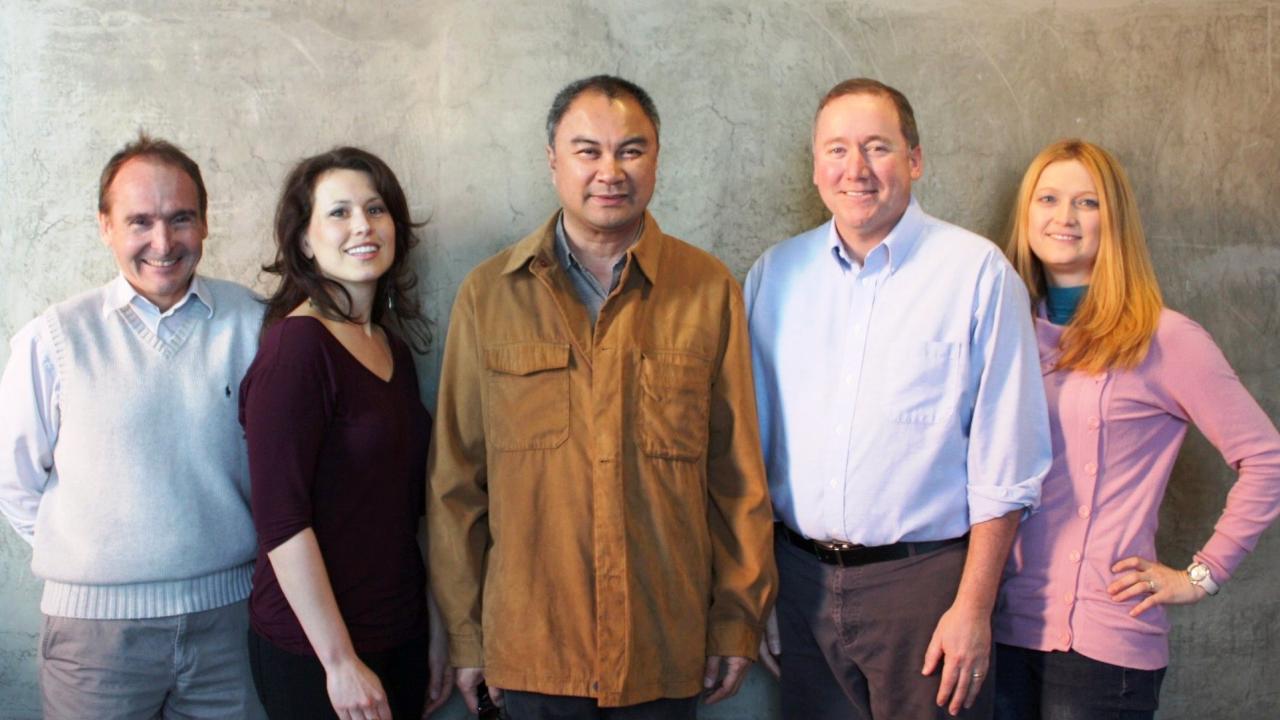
(835, 550)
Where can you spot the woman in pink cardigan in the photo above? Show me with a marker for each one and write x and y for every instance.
(1080, 626)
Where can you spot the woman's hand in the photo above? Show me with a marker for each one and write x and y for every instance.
(355, 691)
(1163, 584)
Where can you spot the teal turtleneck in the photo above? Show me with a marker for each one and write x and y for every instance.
(1061, 303)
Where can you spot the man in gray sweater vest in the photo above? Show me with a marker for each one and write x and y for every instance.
(124, 465)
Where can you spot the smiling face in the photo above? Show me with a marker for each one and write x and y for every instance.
(154, 229)
(1064, 223)
(351, 236)
(863, 167)
(604, 165)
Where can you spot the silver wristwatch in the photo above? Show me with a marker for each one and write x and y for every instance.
(1200, 574)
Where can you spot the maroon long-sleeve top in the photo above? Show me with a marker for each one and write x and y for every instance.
(334, 448)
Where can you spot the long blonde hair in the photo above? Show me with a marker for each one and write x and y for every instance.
(1117, 318)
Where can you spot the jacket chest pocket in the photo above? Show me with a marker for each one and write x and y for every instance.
(527, 400)
(673, 411)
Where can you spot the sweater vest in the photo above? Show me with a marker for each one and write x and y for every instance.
(146, 513)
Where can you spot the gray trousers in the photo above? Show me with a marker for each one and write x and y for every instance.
(854, 639)
(185, 666)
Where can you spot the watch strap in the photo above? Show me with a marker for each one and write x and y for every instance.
(1201, 575)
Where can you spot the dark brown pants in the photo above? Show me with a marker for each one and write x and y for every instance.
(854, 639)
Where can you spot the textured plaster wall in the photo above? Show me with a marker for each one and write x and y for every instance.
(453, 94)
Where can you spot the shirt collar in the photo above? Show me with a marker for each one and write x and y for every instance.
(563, 251)
(540, 246)
(897, 245)
(120, 294)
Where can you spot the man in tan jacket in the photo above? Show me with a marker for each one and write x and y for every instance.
(599, 520)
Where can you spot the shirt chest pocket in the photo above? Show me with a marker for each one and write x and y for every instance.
(527, 399)
(929, 382)
(673, 409)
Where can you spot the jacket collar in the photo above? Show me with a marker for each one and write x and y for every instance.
(540, 247)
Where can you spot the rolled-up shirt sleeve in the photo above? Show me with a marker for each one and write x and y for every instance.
(28, 426)
(285, 405)
(1009, 446)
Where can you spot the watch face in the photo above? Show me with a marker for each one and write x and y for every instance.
(1198, 572)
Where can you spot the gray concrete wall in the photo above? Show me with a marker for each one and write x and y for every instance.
(452, 93)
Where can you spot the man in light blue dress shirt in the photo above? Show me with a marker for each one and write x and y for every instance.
(904, 429)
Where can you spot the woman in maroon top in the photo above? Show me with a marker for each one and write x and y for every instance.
(337, 440)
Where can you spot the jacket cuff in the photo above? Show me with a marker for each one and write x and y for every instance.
(733, 639)
(466, 650)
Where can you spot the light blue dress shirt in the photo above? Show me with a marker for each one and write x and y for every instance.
(900, 399)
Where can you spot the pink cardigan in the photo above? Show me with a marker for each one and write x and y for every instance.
(1115, 439)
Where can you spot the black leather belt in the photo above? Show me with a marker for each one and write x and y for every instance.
(846, 555)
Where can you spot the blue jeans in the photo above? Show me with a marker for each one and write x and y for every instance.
(1033, 684)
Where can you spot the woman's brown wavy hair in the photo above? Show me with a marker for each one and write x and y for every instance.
(301, 279)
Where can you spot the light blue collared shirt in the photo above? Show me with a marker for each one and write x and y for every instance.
(164, 326)
(900, 399)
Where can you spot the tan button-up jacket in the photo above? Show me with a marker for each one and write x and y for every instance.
(599, 518)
